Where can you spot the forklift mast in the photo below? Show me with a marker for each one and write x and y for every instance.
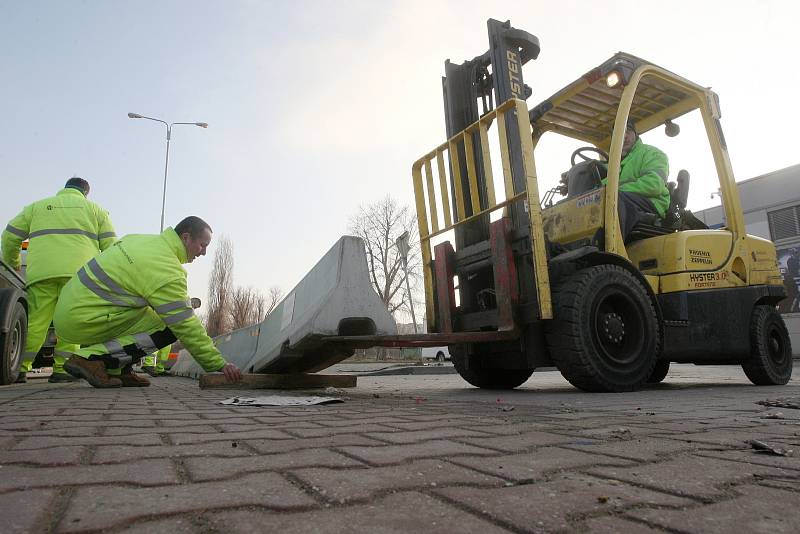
(489, 79)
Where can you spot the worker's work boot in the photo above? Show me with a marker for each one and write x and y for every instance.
(132, 380)
(61, 378)
(93, 371)
(150, 370)
(22, 378)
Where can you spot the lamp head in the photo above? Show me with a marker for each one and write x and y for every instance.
(402, 244)
(202, 124)
(134, 116)
(671, 129)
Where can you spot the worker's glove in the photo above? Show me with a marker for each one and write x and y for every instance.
(231, 372)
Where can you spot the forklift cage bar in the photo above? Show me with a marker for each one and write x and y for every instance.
(511, 114)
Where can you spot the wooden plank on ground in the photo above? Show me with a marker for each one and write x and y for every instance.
(274, 381)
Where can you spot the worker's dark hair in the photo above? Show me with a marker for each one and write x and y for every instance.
(630, 125)
(192, 225)
(78, 183)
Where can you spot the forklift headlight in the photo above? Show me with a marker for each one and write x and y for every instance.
(613, 78)
(671, 129)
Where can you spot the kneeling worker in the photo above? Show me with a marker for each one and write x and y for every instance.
(132, 300)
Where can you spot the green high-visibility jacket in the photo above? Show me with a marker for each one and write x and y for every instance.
(65, 231)
(137, 273)
(644, 170)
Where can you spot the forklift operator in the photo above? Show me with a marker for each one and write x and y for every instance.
(642, 181)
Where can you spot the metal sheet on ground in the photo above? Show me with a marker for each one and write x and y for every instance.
(276, 400)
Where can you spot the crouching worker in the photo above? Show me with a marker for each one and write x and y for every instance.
(132, 300)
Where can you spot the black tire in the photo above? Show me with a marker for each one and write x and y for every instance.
(770, 362)
(659, 372)
(12, 345)
(471, 370)
(440, 356)
(605, 336)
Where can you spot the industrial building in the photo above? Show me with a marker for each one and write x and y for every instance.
(771, 206)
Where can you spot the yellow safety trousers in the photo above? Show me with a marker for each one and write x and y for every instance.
(157, 359)
(42, 299)
(137, 326)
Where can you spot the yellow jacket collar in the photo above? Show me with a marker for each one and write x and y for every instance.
(175, 244)
(70, 191)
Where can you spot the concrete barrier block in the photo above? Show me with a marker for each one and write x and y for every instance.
(334, 298)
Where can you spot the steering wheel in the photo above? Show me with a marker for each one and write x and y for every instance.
(584, 157)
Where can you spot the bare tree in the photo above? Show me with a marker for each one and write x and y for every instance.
(220, 289)
(247, 307)
(379, 225)
(230, 307)
(273, 299)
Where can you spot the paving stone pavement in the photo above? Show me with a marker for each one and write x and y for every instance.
(402, 454)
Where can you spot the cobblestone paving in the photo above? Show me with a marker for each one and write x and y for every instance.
(402, 454)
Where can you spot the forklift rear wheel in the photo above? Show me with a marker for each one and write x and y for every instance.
(12, 343)
(471, 370)
(770, 362)
(604, 336)
(659, 372)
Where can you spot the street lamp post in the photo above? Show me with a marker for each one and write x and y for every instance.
(403, 247)
(166, 161)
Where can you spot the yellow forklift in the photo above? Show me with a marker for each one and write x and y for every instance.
(516, 281)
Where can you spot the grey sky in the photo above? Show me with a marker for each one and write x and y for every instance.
(317, 107)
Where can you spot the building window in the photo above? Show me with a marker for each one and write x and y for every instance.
(784, 223)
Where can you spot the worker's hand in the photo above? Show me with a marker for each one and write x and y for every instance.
(231, 372)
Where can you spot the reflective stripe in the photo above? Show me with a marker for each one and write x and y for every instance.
(106, 235)
(145, 342)
(63, 353)
(169, 306)
(103, 277)
(28, 356)
(17, 232)
(662, 174)
(178, 317)
(113, 346)
(63, 231)
(99, 291)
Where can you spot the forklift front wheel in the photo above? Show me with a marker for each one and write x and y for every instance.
(605, 334)
(770, 362)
